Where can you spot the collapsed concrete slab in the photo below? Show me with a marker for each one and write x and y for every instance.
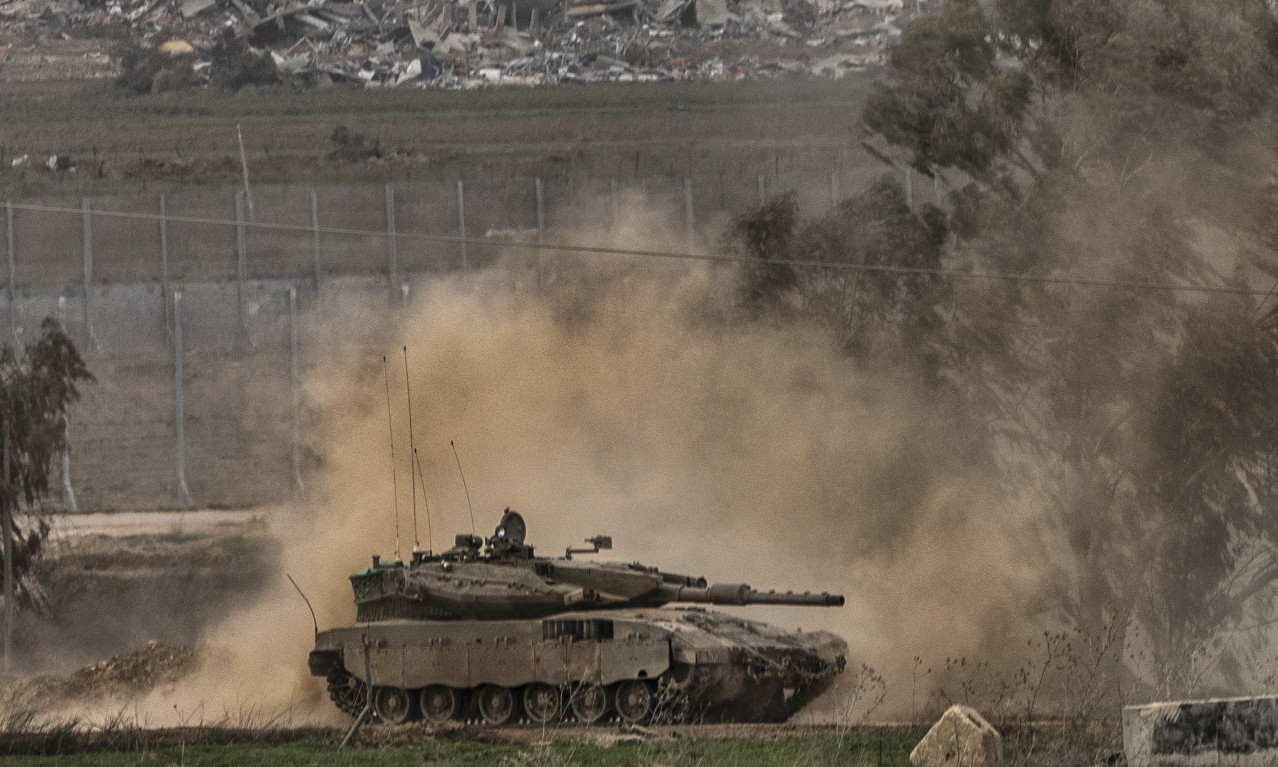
(476, 42)
(1233, 732)
(960, 737)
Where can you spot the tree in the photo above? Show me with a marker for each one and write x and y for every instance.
(1108, 140)
(37, 387)
(946, 101)
(766, 235)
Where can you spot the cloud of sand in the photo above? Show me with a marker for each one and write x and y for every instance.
(621, 398)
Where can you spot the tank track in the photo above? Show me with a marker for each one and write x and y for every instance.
(346, 691)
(677, 697)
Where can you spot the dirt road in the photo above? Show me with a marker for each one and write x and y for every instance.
(125, 523)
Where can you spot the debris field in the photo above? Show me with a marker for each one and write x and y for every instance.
(455, 44)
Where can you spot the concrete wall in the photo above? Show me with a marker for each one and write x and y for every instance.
(1231, 732)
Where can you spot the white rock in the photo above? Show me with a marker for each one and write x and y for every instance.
(960, 737)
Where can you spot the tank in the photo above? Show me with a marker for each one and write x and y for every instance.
(488, 631)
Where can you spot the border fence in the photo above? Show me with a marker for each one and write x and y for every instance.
(188, 303)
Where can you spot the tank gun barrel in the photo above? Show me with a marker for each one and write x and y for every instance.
(741, 594)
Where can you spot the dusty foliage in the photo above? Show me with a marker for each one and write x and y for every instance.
(235, 65)
(145, 70)
(352, 146)
(1126, 144)
(37, 386)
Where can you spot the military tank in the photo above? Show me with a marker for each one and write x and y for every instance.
(488, 631)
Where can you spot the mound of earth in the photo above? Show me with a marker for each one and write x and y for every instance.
(122, 676)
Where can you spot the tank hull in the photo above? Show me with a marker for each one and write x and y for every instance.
(634, 664)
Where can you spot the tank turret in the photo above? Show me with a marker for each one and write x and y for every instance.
(491, 631)
(501, 578)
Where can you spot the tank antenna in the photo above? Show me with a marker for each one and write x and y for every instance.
(467, 489)
(417, 546)
(430, 538)
(390, 424)
(304, 599)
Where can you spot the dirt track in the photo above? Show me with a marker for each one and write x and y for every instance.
(149, 522)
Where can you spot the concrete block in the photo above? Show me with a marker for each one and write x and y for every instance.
(960, 738)
(1229, 732)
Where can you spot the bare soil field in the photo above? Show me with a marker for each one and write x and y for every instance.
(115, 591)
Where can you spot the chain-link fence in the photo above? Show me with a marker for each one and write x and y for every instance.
(188, 303)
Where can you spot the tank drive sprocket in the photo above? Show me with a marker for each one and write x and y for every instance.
(346, 691)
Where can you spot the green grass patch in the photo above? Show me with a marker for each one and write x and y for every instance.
(173, 536)
(62, 586)
(1052, 746)
(889, 748)
(239, 545)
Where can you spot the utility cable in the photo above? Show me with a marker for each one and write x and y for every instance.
(711, 257)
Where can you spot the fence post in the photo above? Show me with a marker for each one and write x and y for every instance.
(241, 266)
(10, 290)
(763, 194)
(541, 230)
(315, 239)
(461, 219)
(179, 406)
(165, 314)
(612, 210)
(392, 251)
(295, 386)
(689, 221)
(909, 188)
(6, 529)
(88, 272)
(541, 212)
(68, 493)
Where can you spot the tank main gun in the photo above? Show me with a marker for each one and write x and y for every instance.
(741, 594)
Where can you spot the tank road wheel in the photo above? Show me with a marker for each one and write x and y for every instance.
(346, 691)
(590, 703)
(439, 703)
(496, 704)
(542, 703)
(634, 700)
(392, 704)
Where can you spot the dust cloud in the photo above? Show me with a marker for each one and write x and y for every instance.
(621, 397)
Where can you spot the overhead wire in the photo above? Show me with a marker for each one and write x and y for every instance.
(986, 276)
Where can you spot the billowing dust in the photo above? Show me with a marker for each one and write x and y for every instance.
(621, 398)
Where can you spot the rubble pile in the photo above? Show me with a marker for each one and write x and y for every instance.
(462, 44)
(116, 678)
(136, 671)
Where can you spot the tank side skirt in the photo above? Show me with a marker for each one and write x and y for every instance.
(633, 659)
(410, 658)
